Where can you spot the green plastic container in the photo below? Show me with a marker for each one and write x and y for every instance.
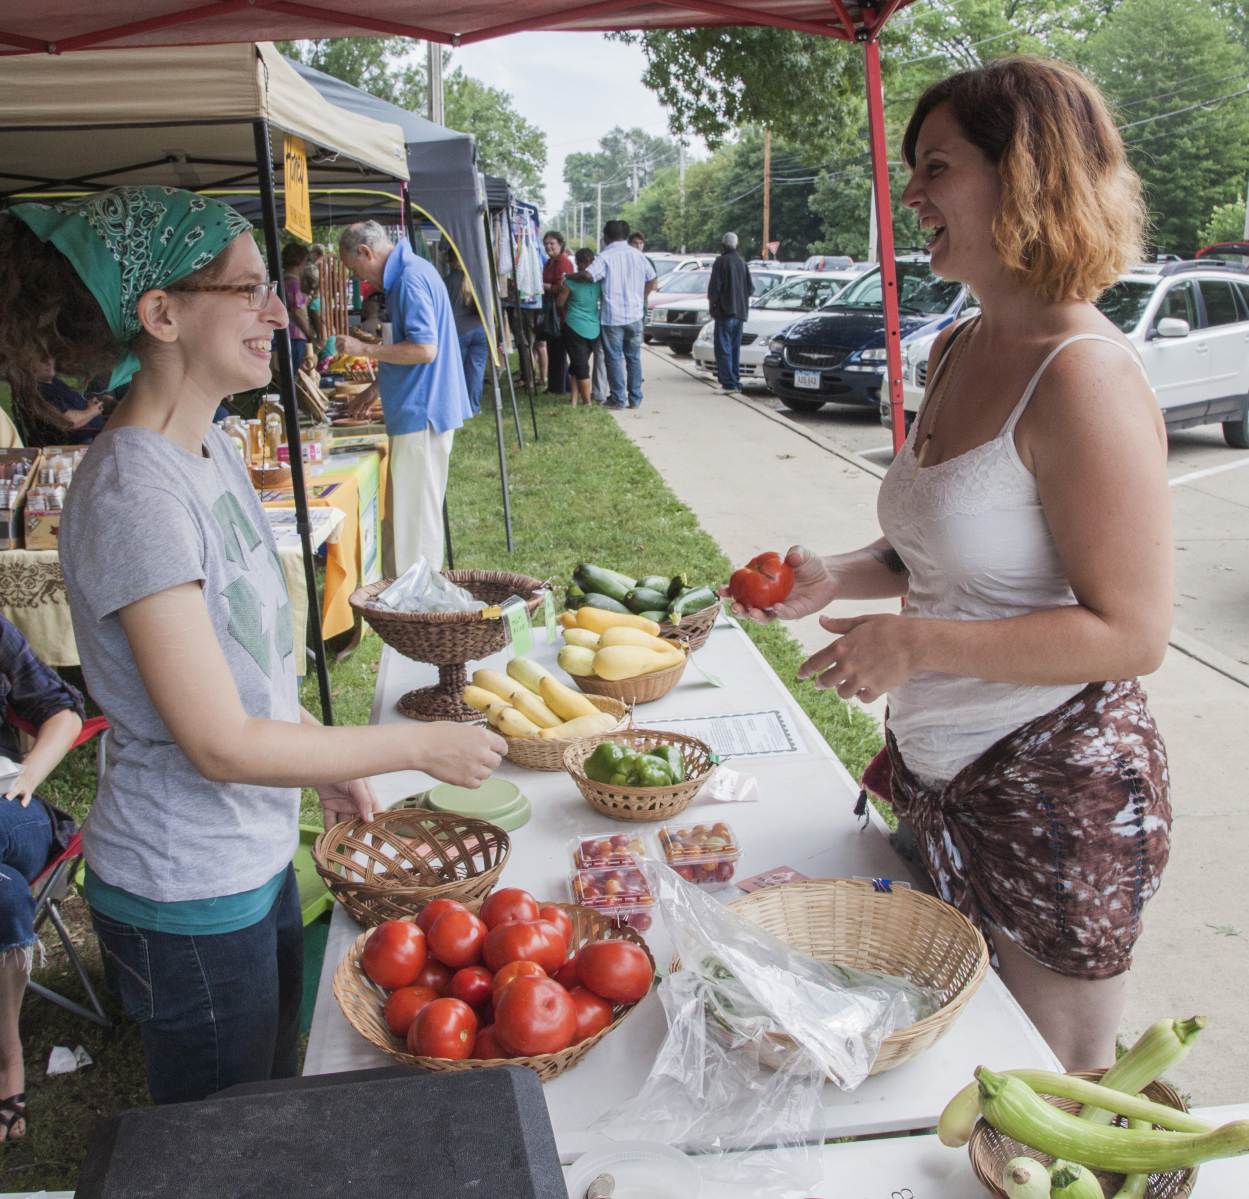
(497, 800)
(314, 895)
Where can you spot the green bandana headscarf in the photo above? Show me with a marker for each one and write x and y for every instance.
(129, 240)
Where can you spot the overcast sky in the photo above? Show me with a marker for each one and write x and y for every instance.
(573, 86)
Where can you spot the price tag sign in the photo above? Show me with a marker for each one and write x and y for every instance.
(714, 680)
(520, 631)
(295, 180)
(548, 616)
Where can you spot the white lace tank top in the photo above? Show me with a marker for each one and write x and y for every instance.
(976, 544)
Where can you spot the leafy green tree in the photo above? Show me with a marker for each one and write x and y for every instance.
(1226, 223)
(625, 163)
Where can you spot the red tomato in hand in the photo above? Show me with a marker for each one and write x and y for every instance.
(594, 1013)
(552, 913)
(394, 954)
(566, 975)
(507, 905)
(486, 1046)
(616, 970)
(404, 1005)
(434, 974)
(472, 985)
(535, 1015)
(435, 908)
(763, 582)
(455, 939)
(443, 1028)
(513, 971)
(525, 940)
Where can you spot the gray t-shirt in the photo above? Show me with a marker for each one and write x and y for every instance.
(144, 515)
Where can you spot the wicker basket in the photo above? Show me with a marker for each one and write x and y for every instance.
(448, 640)
(269, 475)
(540, 753)
(363, 1002)
(693, 629)
(990, 1150)
(643, 690)
(641, 803)
(902, 932)
(392, 866)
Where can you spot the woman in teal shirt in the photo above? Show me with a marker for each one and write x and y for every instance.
(578, 305)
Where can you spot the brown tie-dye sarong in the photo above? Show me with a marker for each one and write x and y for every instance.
(1057, 834)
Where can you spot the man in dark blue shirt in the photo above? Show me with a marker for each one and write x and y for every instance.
(65, 417)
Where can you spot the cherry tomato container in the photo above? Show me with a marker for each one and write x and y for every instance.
(706, 854)
(593, 850)
(619, 892)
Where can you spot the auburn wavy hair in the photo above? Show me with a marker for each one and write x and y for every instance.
(1072, 216)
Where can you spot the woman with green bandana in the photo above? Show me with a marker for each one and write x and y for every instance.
(183, 627)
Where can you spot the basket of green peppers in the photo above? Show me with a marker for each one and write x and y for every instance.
(639, 774)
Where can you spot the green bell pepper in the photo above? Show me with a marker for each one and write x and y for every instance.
(649, 771)
(606, 760)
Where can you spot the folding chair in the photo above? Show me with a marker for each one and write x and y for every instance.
(53, 884)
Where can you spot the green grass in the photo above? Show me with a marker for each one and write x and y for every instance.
(582, 492)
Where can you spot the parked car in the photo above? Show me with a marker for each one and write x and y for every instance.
(665, 264)
(838, 353)
(675, 320)
(1190, 324)
(786, 302)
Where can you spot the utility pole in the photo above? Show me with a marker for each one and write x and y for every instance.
(681, 172)
(633, 172)
(598, 218)
(1246, 233)
(767, 190)
(433, 83)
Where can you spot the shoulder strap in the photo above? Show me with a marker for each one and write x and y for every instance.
(944, 356)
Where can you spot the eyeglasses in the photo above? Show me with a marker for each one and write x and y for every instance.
(258, 294)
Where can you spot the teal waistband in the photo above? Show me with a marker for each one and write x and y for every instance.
(183, 917)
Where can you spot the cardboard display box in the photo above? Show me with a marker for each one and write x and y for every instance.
(11, 524)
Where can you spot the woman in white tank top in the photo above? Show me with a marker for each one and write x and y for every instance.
(1026, 523)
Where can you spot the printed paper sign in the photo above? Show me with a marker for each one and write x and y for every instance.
(295, 182)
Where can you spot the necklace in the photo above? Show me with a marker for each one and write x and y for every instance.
(932, 406)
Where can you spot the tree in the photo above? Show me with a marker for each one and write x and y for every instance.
(625, 163)
(1226, 223)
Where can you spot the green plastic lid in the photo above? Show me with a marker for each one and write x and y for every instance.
(497, 800)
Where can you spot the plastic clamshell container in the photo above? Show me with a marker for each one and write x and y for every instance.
(700, 853)
(617, 891)
(592, 850)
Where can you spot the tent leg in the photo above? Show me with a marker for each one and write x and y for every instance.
(884, 231)
(511, 386)
(498, 430)
(446, 535)
(286, 372)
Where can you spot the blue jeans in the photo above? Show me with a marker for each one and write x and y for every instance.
(216, 1010)
(728, 335)
(623, 347)
(474, 350)
(27, 841)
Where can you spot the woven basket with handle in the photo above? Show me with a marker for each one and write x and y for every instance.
(391, 866)
(641, 803)
(990, 1150)
(642, 690)
(541, 753)
(902, 932)
(363, 1003)
(693, 629)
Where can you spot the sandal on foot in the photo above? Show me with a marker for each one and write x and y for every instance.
(12, 1110)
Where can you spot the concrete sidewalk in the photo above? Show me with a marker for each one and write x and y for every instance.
(757, 481)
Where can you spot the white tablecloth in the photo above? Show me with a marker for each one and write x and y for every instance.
(803, 819)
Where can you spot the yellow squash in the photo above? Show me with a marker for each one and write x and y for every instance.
(492, 680)
(598, 621)
(583, 726)
(624, 635)
(586, 639)
(527, 673)
(564, 701)
(630, 661)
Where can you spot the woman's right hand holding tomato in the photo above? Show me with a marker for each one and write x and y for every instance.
(463, 754)
(815, 587)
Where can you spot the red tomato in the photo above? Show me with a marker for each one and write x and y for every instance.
(486, 1046)
(511, 903)
(403, 1006)
(616, 970)
(394, 954)
(455, 939)
(472, 985)
(552, 913)
(764, 581)
(434, 974)
(593, 1013)
(566, 975)
(443, 1028)
(535, 1015)
(435, 908)
(513, 971)
(524, 940)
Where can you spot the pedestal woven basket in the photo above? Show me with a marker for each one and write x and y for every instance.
(390, 867)
(363, 1002)
(643, 690)
(693, 629)
(901, 932)
(641, 803)
(990, 1150)
(539, 753)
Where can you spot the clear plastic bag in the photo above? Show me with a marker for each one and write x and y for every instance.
(422, 589)
(755, 1029)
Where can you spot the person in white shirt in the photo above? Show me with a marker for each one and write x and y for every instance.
(628, 278)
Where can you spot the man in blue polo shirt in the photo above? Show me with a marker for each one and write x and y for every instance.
(421, 377)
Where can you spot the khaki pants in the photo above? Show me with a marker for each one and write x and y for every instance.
(416, 485)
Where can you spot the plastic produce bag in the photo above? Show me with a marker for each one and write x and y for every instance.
(422, 589)
(755, 1029)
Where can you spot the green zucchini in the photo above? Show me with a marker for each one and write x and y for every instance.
(689, 602)
(574, 597)
(1160, 1048)
(677, 584)
(655, 583)
(1025, 1178)
(640, 599)
(1134, 1186)
(606, 582)
(659, 617)
(594, 599)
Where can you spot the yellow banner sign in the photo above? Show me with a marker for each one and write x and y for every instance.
(295, 176)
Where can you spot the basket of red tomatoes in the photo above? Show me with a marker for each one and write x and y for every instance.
(521, 983)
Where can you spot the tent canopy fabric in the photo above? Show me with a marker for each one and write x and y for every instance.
(59, 26)
(178, 116)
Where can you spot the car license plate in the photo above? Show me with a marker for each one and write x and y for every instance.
(808, 379)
